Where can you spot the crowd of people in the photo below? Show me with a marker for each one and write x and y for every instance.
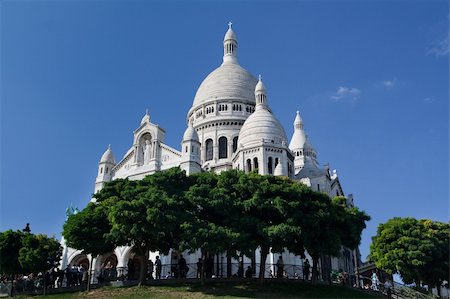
(54, 278)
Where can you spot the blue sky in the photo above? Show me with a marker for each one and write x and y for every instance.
(370, 80)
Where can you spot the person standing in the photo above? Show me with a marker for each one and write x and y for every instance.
(199, 268)
(280, 267)
(158, 267)
(388, 288)
(182, 266)
(306, 269)
(374, 281)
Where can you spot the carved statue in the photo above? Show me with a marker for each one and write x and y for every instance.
(147, 151)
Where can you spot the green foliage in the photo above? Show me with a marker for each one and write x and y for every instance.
(87, 230)
(350, 222)
(10, 244)
(418, 250)
(26, 252)
(39, 253)
(228, 212)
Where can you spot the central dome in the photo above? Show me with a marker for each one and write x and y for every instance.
(229, 80)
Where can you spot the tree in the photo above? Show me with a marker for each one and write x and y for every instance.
(146, 214)
(436, 270)
(265, 205)
(207, 221)
(39, 253)
(350, 222)
(320, 233)
(415, 249)
(28, 252)
(87, 231)
(10, 244)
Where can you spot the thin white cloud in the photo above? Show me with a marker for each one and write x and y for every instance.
(429, 100)
(344, 92)
(390, 83)
(440, 48)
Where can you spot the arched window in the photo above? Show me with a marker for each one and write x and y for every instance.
(223, 143)
(101, 170)
(255, 164)
(276, 162)
(249, 165)
(106, 170)
(209, 149)
(186, 150)
(235, 143)
(269, 165)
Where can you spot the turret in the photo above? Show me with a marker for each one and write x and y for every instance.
(190, 151)
(260, 93)
(230, 46)
(105, 166)
(300, 145)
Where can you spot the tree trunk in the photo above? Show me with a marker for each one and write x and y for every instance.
(143, 266)
(88, 286)
(45, 283)
(202, 273)
(11, 292)
(262, 263)
(314, 269)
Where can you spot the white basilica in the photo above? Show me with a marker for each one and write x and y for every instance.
(230, 125)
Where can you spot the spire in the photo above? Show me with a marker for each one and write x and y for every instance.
(230, 46)
(260, 93)
(298, 122)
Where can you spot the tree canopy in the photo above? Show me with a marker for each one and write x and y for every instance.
(418, 250)
(27, 252)
(229, 212)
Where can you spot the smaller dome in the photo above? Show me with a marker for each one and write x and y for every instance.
(108, 156)
(146, 118)
(190, 134)
(298, 138)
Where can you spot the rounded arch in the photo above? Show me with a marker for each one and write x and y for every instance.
(107, 265)
(145, 152)
(235, 143)
(223, 147)
(249, 165)
(270, 165)
(80, 260)
(209, 149)
(255, 164)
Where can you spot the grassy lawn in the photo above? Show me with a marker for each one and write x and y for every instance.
(277, 289)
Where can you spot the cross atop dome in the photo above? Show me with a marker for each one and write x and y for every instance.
(229, 25)
(259, 77)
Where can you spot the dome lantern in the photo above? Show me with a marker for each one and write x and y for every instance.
(260, 93)
(230, 46)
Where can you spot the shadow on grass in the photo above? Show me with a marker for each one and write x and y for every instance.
(275, 289)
